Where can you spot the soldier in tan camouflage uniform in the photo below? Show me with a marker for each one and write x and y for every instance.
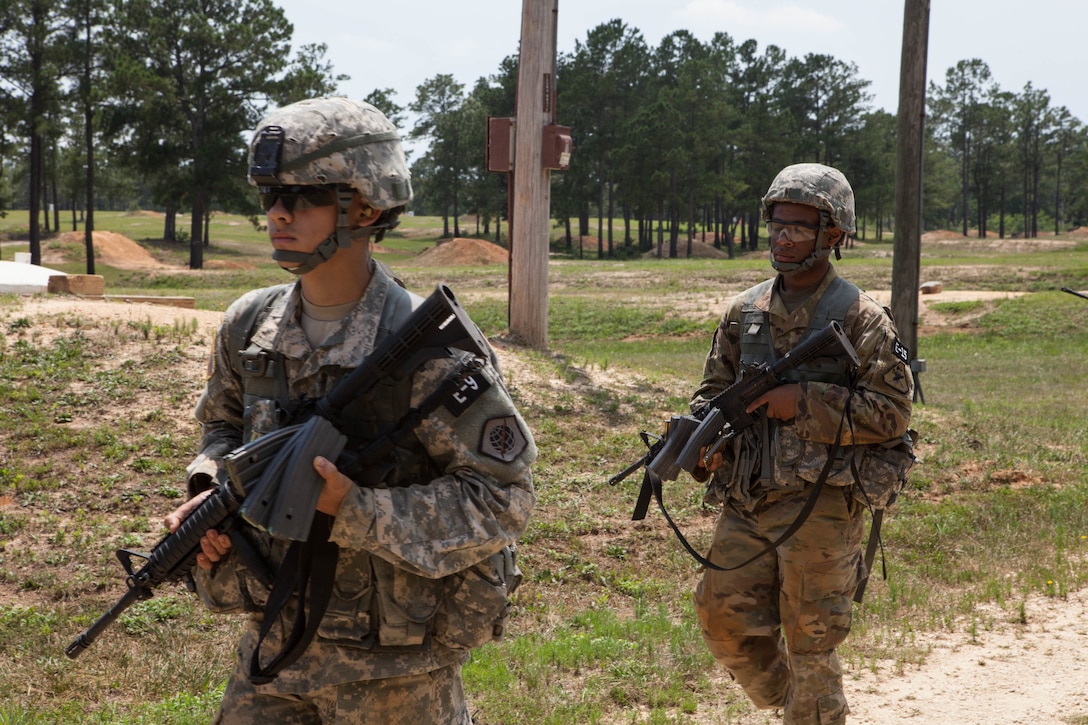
(426, 536)
(775, 622)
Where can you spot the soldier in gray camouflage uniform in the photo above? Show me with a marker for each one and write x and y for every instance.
(775, 622)
(425, 537)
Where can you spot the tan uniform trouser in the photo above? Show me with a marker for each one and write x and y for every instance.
(432, 698)
(775, 623)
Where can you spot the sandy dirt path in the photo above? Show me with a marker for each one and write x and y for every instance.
(1035, 673)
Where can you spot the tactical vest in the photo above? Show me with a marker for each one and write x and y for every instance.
(264, 380)
(876, 473)
(375, 605)
(756, 345)
(879, 468)
(776, 457)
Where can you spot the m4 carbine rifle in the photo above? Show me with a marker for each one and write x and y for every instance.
(724, 416)
(272, 481)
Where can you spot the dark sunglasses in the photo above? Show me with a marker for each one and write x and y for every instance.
(297, 197)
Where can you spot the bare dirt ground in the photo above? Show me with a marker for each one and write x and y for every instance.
(1012, 670)
(1009, 673)
(1017, 673)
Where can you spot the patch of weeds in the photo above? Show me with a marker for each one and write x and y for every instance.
(132, 496)
(111, 480)
(11, 479)
(605, 401)
(138, 524)
(22, 625)
(11, 524)
(19, 323)
(640, 589)
(143, 464)
(616, 551)
(145, 616)
(172, 493)
(110, 446)
(165, 445)
(958, 308)
(145, 328)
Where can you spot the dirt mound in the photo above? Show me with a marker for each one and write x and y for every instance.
(227, 264)
(941, 235)
(1011, 243)
(376, 248)
(463, 252)
(699, 250)
(110, 248)
(1045, 238)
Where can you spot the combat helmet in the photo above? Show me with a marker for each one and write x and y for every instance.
(819, 186)
(339, 142)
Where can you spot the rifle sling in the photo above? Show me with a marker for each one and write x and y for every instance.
(653, 483)
(306, 575)
(810, 502)
(870, 554)
(651, 488)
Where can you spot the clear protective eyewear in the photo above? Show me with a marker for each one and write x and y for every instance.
(796, 232)
(297, 197)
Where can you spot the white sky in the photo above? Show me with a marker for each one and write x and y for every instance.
(400, 44)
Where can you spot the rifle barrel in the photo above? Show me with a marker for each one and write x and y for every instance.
(89, 635)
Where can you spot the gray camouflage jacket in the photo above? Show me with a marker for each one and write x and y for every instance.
(411, 556)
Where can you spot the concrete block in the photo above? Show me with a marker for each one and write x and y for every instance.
(84, 285)
(931, 288)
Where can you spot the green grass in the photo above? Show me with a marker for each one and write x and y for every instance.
(96, 429)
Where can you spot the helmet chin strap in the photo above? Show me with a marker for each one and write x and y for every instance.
(342, 238)
(818, 252)
(805, 264)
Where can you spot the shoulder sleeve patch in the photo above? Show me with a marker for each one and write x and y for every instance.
(900, 351)
(898, 378)
(502, 439)
(474, 386)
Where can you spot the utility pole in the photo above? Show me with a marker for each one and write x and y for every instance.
(530, 217)
(907, 253)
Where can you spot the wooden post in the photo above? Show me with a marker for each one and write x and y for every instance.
(906, 255)
(531, 218)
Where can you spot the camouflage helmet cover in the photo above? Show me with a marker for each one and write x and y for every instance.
(333, 141)
(814, 185)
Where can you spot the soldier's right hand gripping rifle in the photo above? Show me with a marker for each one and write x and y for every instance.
(272, 483)
(690, 441)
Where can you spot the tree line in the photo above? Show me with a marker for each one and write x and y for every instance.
(107, 103)
(146, 103)
(686, 136)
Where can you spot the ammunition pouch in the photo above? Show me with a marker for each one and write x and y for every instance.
(377, 606)
(877, 472)
(476, 602)
(882, 472)
(807, 458)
